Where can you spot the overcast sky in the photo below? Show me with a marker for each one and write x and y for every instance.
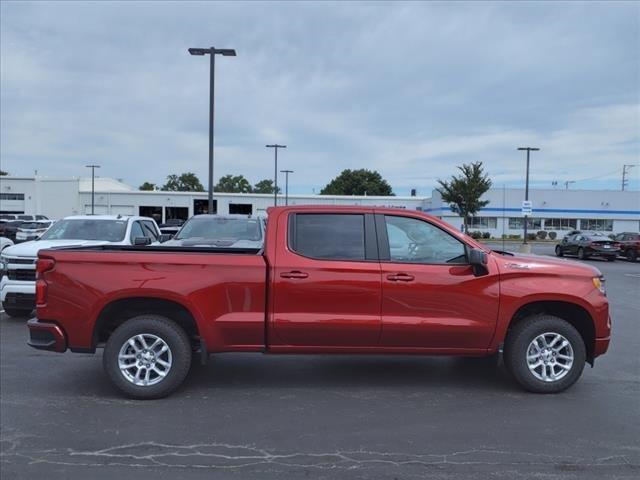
(408, 89)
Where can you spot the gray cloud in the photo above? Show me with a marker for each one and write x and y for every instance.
(411, 89)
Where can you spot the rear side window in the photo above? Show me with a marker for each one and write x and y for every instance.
(329, 236)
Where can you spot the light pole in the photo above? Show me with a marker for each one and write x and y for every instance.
(526, 188)
(212, 52)
(625, 169)
(93, 186)
(275, 147)
(567, 183)
(286, 185)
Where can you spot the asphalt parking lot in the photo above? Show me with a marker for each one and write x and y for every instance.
(251, 416)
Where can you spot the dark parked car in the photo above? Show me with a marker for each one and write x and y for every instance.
(10, 228)
(629, 245)
(588, 244)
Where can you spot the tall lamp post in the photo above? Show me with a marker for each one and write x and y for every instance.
(93, 186)
(286, 185)
(212, 52)
(526, 188)
(275, 147)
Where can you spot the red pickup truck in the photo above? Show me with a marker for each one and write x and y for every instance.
(329, 280)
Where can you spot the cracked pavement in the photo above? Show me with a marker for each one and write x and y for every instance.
(250, 416)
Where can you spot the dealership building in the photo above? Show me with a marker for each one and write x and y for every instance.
(556, 210)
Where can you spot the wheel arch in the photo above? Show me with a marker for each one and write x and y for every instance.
(118, 311)
(574, 314)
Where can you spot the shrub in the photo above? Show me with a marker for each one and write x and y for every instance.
(486, 235)
(475, 234)
(531, 236)
(553, 235)
(514, 237)
(541, 234)
(504, 236)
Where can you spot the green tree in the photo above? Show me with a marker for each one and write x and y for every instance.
(233, 184)
(186, 182)
(264, 186)
(358, 182)
(147, 186)
(3, 173)
(463, 193)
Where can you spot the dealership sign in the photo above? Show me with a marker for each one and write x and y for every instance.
(527, 207)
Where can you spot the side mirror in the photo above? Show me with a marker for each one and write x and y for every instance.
(478, 261)
(140, 241)
(164, 237)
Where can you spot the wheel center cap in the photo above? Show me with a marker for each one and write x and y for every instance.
(147, 357)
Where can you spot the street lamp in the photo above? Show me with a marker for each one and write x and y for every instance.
(526, 190)
(275, 147)
(93, 186)
(212, 52)
(286, 185)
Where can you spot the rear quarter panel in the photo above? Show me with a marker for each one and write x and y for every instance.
(225, 293)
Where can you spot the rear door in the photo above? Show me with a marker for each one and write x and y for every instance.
(326, 281)
(431, 298)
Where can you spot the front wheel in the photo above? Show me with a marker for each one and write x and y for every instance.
(545, 354)
(147, 357)
(581, 254)
(17, 312)
(632, 255)
(559, 251)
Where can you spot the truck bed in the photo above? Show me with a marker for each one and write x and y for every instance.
(224, 292)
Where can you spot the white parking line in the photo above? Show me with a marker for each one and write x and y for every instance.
(636, 275)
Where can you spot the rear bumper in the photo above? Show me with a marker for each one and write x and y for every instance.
(46, 336)
(613, 252)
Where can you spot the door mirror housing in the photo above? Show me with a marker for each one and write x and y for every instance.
(164, 237)
(478, 261)
(142, 241)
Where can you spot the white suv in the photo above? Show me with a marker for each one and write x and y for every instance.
(17, 263)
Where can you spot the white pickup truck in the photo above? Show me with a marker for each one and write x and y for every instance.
(17, 263)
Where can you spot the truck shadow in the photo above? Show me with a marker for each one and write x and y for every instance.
(235, 371)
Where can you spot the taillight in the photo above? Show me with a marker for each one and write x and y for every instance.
(42, 265)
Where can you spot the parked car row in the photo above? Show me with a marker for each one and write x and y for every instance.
(599, 245)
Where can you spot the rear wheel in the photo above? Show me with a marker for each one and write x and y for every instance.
(559, 251)
(17, 312)
(147, 357)
(581, 254)
(545, 354)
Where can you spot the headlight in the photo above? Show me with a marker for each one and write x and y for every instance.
(3, 264)
(599, 283)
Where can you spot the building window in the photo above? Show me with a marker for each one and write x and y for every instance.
(11, 196)
(202, 206)
(560, 224)
(517, 223)
(153, 212)
(181, 213)
(241, 208)
(483, 222)
(597, 224)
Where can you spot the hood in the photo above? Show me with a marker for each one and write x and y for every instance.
(532, 263)
(31, 249)
(213, 243)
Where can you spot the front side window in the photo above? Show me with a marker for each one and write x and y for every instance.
(81, 229)
(329, 236)
(149, 230)
(415, 241)
(136, 231)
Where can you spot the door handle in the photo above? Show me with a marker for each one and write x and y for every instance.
(294, 274)
(401, 277)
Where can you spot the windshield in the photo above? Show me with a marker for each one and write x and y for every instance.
(87, 229)
(221, 228)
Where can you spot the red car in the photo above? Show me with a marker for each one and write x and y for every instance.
(330, 280)
(629, 245)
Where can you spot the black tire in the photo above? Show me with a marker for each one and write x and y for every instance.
(632, 255)
(581, 254)
(163, 328)
(17, 312)
(517, 345)
(559, 252)
(611, 259)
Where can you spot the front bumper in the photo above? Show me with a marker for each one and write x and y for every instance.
(46, 336)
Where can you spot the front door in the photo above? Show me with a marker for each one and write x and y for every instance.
(430, 295)
(326, 282)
